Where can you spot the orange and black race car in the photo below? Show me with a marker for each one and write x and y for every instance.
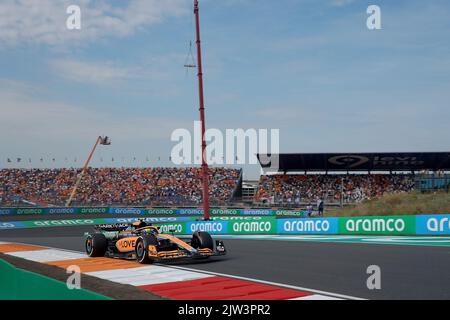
(144, 243)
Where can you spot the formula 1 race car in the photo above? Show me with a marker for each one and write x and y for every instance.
(144, 243)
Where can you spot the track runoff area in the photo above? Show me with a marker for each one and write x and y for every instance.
(307, 267)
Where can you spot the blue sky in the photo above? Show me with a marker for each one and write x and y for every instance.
(309, 68)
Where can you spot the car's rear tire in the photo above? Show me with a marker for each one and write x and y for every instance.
(141, 249)
(96, 245)
(202, 240)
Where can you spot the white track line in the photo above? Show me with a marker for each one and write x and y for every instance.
(344, 240)
(319, 292)
(316, 297)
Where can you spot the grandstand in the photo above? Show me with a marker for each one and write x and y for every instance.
(117, 186)
(296, 190)
(299, 181)
(347, 178)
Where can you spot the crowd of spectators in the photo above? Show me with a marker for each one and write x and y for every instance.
(117, 186)
(296, 189)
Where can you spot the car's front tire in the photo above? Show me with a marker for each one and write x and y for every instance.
(141, 248)
(202, 240)
(96, 245)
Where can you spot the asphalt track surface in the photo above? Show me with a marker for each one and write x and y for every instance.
(407, 272)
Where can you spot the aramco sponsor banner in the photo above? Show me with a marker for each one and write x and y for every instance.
(281, 213)
(237, 218)
(160, 212)
(436, 224)
(308, 226)
(223, 225)
(62, 210)
(62, 223)
(53, 210)
(12, 225)
(173, 227)
(224, 212)
(256, 212)
(190, 212)
(7, 211)
(390, 225)
(127, 210)
(30, 210)
(101, 210)
(148, 219)
(254, 226)
(150, 211)
(213, 226)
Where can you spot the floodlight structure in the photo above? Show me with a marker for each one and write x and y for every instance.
(104, 141)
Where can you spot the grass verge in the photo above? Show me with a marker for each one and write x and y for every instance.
(398, 204)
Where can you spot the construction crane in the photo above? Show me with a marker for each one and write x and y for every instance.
(105, 141)
(205, 171)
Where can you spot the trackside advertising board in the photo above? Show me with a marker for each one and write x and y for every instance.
(62, 223)
(288, 213)
(255, 226)
(190, 212)
(150, 211)
(389, 225)
(30, 211)
(257, 212)
(12, 225)
(127, 210)
(85, 222)
(148, 219)
(213, 226)
(308, 226)
(229, 225)
(160, 212)
(63, 211)
(102, 210)
(7, 211)
(225, 212)
(437, 224)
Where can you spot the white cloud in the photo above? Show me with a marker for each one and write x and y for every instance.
(105, 73)
(92, 72)
(44, 21)
(341, 3)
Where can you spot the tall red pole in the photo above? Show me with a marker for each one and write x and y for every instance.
(205, 173)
